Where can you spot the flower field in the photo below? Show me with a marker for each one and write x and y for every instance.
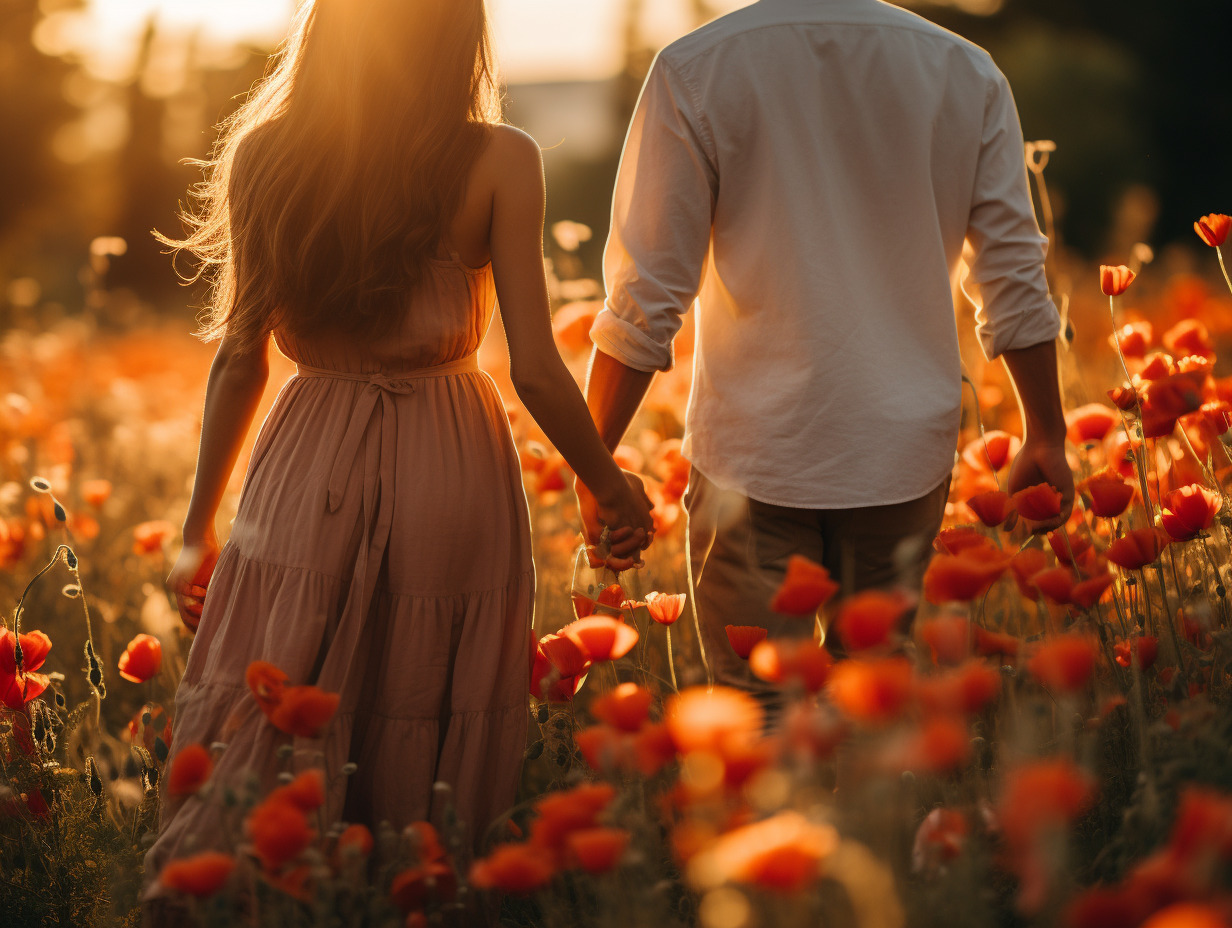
(1050, 745)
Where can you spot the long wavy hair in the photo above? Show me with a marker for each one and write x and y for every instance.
(331, 186)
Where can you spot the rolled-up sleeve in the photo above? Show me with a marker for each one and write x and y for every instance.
(662, 211)
(1017, 310)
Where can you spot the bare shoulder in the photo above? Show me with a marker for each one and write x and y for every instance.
(512, 160)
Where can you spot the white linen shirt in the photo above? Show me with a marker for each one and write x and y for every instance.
(809, 171)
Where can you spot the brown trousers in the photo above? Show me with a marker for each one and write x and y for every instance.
(738, 550)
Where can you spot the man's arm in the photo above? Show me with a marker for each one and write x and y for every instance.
(614, 391)
(1042, 456)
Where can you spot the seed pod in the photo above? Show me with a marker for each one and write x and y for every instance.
(40, 484)
(542, 714)
(60, 701)
(95, 781)
(160, 750)
(61, 515)
(70, 557)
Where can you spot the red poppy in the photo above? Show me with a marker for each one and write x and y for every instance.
(601, 637)
(1086, 593)
(964, 576)
(304, 711)
(783, 854)
(626, 707)
(868, 619)
(597, 850)
(562, 813)
(940, 837)
(1213, 229)
(565, 654)
(1190, 337)
(1090, 423)
(1188, 914)
(653, 747)
(190, 768)
(1142, 650)
(992, 508)
(701, 719)
(267, 684)
(415, 887)
(1040, 796)
(1157, 366)
(564, 687)
(355, 840)
(1189, 511)
(306, 792)
(1115, 280)
(141, 659)
(992, 452)
(949, 638)
(805, 588)
(1025, 564)
(1135, 338)
(955, 539)
(148, 537)
(793, 659)
(19, 686)
(873, 692)
(1064, 662)
(513, 868)
(1124, 397)
(1167, 399)
(1203, 824)
(744, 637)
(941, 745)
(963, 690)
(1063, 543)
(1038, 503)
(1108, 492)
(279, 832)
(665, 608)
(200, 875)
(1137, 548)
(1055, 584)
(96, 492)
(996, 644)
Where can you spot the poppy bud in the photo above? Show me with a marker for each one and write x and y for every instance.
(1115, 280)
(1213, 229)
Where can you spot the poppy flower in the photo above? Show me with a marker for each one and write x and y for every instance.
(1055, 584)
(1167, 399)
(949, 638)
(148, 537)
(992, 508)
(426, 841)
(992, 452)
(1190, 337)
(1203, 824)
(565, 654)
(964, 576)
(1090, 423)
(996, 644)
(1024, 565)
(597, 850)
(355, 840)
(872, 692)
(553, 475)
(415, 887)
(868, 619)
(142, 659)
(1103, 908)
(19, 686)
(1064, 662)
(964, 690)
(626, 707)
(941, 745)
(805, 588)
(1189, 511)
(1142, 650)
(665, 608)
(561, 813)
(518, 869)
(279, 832)
(792, 659)
(564, 687)
(1068, 546)
(306, 792)
(190, 768)
(1213, 229)
(96, 492)
(304, 711)
(1115, 280)
(601, 637)
(954, 539)
(1134, 338)
(1042, 795)
(1188, 914)
(1124, 397)
(701, 719)
(940, 838)
(603, 746)
(1137, 548)
(1086, 593)
(1038, 503)
(267, 684)
(1157, 366)
(744, 637)
(783, 853)
(653, 747)
(200, 875)
(1108, 492)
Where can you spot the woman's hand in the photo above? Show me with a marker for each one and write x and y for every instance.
(190, 577)
(626, 513)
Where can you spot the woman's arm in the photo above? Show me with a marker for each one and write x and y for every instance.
(232, 395)
(542, 381)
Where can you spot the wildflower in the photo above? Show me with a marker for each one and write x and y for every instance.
(1142, 650)
(559, 814)
(1213, 229)
(1124, 397)
(653, 747)
(1137, 548)
(744, 637)
(1038, 503)
(1188, 914)
(200, 875)
(426, 842)
(939, 839)
(1102, 908)
(565, 686)
(355, 839)
(949, 638)
(597, 850)
(267, 683)
(1115, 280)
(804, 589)
(1190, 337)
(142, 659)
(1189, 511)
(1040, 796)
(626, 707)
(955, 539)
(992, 508)
(1000, 644)
(1055, 584)
(1068, 546)
(148, 537)
(1090, 423)
(701, 719)
(513, 868)
(665, 608)
(872, 692)
(964, 690)
(1167, 399)
(414, 887)
(992, 452)
(601, 637)
(1086, 593)
(279, 832)
(941, 745)
(868, 619)
(1108, 492)
(964, 576)
(1134, 339)
(190, 769)
(96, 492)
(19, 683)
(1064, 662)
(795, 659)
(565, 654)
(1025, 565)
(304, 711)
(783, 853)
(306, 792)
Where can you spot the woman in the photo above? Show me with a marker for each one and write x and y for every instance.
(367, 209)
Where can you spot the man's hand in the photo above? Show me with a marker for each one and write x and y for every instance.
(627, 541)
(1044, 462)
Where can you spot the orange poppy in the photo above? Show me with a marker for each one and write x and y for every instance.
(513, 868)
(1108, 492)
(427, 843)
(1124, 397)
(563, 687)
(996, 644)
(565, 654)
(200, 875)
(872, 692)
(1158, 364)
(96, 492)
(1137, 548)
(1213, 229)
(415, 887)
(597, 850)
(355, 840)
(148, 537)
(963, 690)
(942, 745)
(1135, 338)
(604, 747)
(1189, 511)
(1090, 423)
(1065, 543)
(653, 747)
(783, 853)
(940, 837)
(992, 508)
(1203, 824)
(665, 608)
(1189, 914)
(805, 588)
(279, 832)
(1115, 280)
(799, 660)
(964, 576)
(561, 813)
(1064, 662)
(1055, 584)
(955, 539)
(744, 637)
(1038, 503)
(992, 452)
(1190, 337)
(142, 659)
(267, 684)
(304, 711)
(1086, 593)
(1166, 399)
(869, 619)
(1142, 650)
(626, 707)
(601, 637)
(306, 792)
(190, 768)
(1024, 565)
(701, 719)
(18, 686)
(1042, 795)
(949, 638)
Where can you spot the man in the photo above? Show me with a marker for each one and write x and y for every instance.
(810, 170)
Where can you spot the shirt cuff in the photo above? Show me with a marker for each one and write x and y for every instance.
(628, 344)
(1041, 323)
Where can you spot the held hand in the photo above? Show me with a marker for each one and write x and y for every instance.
(627, 514)
(189, 578)
(1044, 462)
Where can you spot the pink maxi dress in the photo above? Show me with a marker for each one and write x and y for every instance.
(381, 550)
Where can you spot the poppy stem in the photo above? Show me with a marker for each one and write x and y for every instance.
(1223, 267)
(671, 663)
